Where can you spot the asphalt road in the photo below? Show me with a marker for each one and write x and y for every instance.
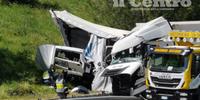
(105, 98)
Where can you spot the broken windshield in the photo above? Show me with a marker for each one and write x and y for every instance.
(128, 55)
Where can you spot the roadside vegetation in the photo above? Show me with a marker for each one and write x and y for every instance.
(26, 24)
(22, 29)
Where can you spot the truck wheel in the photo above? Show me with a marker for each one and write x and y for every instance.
(115, 86)
(87, 80)
(62, 95)
(121, 85)
(198, 94)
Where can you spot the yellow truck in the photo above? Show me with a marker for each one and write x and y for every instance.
(173, 70)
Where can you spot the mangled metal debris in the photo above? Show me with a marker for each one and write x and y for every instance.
(111, 59)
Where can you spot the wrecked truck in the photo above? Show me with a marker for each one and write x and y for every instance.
(128, 57)
(84, 42)
(116, 69)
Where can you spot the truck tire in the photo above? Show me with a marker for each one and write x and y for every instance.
(198, 93)
(121, 85)
(196, 96)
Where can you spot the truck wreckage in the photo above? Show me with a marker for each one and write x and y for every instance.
(109, 59)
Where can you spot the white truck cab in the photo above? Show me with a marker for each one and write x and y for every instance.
(126, 68)
(62, 57)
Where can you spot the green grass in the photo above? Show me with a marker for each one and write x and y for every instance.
(26, 25)
(22, 30)
(23, 27)
(25, 90)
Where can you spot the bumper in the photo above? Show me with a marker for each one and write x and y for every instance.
(164, 94)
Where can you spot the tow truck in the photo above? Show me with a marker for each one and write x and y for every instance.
(173, 69)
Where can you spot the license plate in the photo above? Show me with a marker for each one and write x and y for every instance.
(164, 97)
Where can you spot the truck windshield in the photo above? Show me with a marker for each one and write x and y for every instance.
(168, 62)
(126, 56)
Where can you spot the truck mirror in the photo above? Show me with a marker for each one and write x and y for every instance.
(195, 65)
(197, 58)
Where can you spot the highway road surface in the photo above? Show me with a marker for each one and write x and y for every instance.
(105, 98)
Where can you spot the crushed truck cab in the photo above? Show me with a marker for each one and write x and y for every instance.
(127, 66)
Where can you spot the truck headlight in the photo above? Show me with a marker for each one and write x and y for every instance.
(148, 91)
(183, 94)
(149, 96)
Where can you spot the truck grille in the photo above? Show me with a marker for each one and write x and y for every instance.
(171, 83)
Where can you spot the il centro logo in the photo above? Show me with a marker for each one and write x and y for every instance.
(153, 3)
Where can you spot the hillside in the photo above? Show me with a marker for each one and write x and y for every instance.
(26, 24)
(22, 30)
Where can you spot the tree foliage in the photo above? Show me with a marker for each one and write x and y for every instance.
(126, 17)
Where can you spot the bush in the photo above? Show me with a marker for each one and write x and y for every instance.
(21, 89)
(31, 2)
